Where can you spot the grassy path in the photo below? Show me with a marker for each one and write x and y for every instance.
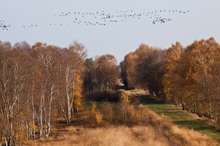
(180, 117)
(177, 116)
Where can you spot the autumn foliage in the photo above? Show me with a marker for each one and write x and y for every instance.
(42, 83)
(36, 83)
(191, 79)
(101, 74)
(188, 77)
(144, 69)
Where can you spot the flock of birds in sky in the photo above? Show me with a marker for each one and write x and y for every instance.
(3, 25)
(102, 18)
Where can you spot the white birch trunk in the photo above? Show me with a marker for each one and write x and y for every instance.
(69, 106)
(49, 111)
(41, 117)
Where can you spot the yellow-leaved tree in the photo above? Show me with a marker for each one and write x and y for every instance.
(191, 77)
(171, 74)
(77, 94)
(96, 116)
(200, 59)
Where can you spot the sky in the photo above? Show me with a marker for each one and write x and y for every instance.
(200, 22)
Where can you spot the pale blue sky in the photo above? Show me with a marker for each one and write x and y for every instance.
(117, 38)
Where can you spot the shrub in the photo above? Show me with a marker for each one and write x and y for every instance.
(96, 116)
(106, 109)
(122, 113)
(100, 96)
(123, 97)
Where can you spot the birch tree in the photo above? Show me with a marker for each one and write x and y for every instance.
(73, 66)
(48, 67)
(14, 88)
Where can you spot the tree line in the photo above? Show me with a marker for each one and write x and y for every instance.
(40, 82)
(186, 76)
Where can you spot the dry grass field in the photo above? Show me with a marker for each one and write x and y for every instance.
(157, 131)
